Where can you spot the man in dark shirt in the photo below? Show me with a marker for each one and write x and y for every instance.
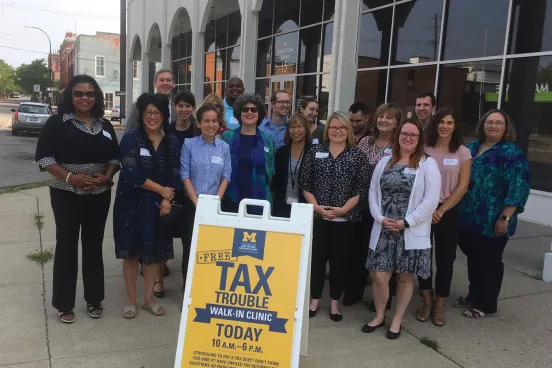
(359, 114)
(163, 82)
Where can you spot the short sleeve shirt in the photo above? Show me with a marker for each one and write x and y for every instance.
(449, 166)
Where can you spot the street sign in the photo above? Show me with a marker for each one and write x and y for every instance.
(36, 88)
(120, 93)
(246, 290)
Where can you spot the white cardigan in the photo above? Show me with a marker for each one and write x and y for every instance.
(423, 201)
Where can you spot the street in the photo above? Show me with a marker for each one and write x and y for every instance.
(17, 165)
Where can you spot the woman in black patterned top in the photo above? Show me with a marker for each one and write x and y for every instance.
(333, 177)
(79, 148)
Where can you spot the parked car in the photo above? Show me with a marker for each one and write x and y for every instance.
(116, 113)
(29, 117)
(15, 95)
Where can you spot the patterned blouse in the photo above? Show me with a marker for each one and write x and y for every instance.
(373, 153)
(499, 178)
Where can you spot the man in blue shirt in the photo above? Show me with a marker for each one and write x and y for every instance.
(234, 88)
(275, 124)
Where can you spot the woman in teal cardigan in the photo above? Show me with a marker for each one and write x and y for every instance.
(252, 153)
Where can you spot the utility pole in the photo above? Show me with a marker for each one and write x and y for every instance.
(123, 43)
(435, 36)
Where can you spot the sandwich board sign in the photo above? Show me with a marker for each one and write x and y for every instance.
(246, 294)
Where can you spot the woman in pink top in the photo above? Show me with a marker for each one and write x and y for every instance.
(444, 144)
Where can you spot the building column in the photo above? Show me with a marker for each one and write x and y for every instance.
(248, 50)
(144, 72)
(198, 65)
(344, 65)
(166, 56)
(129, 98)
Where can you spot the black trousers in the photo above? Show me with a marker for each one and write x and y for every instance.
(187, 229)
(356, 273)
(445, 234)
(86, 214)
(331, 242)
(485, 268)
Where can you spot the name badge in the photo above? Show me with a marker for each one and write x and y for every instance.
(106, 134)
(387, 151)
(144, 152)
(266, 149)
(315, 141)
(217, 160)
(410, 171)
(322, 155)
(450, 161)
(291, 200)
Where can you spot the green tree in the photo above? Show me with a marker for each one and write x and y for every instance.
(7, 79)
(27, 75)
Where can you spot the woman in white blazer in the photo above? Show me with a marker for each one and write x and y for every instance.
(403, 195)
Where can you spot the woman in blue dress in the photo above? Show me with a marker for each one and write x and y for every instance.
(147, 184)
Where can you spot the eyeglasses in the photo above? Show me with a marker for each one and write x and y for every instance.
(297, 128)
(407, 135)
(150, 113)
(342, 129)
(254, 110)
(284, 102)
(498, 123)
(81, 94)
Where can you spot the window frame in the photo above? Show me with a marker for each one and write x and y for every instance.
(96, 65)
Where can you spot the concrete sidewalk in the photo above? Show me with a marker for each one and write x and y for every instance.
(32, 336)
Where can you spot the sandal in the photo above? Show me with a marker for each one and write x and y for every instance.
(154, 308)
(438, 317)
(161, 293)
(474, 313)
(129, 311)
(461, 303)
(66, 317)
(95, 311)
(424, 313)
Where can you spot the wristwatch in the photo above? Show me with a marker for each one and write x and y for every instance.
(506, 218)
(406, 224)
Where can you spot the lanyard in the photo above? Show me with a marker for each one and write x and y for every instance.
(293, 173)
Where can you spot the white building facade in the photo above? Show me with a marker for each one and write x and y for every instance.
(372, 51)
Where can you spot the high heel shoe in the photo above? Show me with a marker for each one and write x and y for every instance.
(312, 313)
(369, 329)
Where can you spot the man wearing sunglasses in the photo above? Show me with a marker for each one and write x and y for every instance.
(275, 124)
(163, 82)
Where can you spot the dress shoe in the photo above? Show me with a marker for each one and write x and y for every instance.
(369, 329)
(312, 313)
(372, 305)
(336, 317)
(393, 335)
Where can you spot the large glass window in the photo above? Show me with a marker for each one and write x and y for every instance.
(297, 54)
(371, 86)
(531, 26)
(374, 38)
(181, 57)
(417, 29)
(527, 100)
(475, 28)
(405, 84)
(222, 52)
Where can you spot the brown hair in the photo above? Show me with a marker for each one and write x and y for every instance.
(216, 100)
(456, 139)
(344, 119)
(418, 154)
(392, 109)
(298, 119)
(509, 128)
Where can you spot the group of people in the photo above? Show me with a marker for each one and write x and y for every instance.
(389, 193)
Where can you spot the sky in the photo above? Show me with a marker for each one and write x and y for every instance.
(55, 18)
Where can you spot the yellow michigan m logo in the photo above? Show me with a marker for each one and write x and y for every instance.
(247, 237)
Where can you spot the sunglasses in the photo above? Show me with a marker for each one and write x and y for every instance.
(248, 109)
(81, 94)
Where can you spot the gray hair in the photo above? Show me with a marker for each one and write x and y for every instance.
(245, 99)
(162, 70)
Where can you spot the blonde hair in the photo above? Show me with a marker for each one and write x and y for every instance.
(343, 119)
(215, 100)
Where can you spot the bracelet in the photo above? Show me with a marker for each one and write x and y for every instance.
(68, 175)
